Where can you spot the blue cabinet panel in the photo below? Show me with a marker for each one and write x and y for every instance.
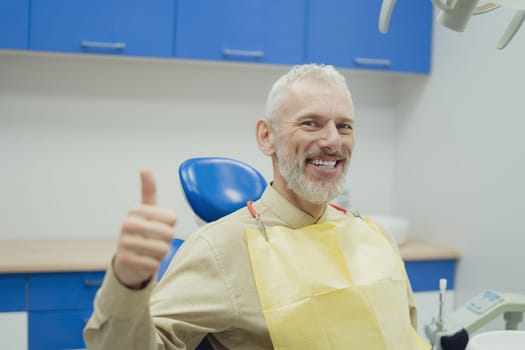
(130, 27)
(425, 275)
(339, 32)
(267, 31)
(63, 291)
(57, 329)
(14, 21)
(12, 293)
(345, 33)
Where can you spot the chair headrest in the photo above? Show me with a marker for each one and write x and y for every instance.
(216, 186)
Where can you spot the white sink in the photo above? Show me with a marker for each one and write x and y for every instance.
(498, 340)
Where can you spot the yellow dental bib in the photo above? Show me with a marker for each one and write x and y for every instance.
(332, 286)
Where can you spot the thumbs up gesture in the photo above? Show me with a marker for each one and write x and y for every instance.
(145, 237)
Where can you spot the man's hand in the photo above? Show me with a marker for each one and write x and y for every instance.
(145, 237)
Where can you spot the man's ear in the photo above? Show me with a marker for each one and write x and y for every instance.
(265, 137)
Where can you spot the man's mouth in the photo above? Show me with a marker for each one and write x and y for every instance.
(325, 164)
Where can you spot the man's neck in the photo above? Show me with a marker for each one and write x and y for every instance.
(314, 210)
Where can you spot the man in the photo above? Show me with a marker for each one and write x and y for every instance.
(216, 285)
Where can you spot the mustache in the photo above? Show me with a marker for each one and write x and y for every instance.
(322, 154)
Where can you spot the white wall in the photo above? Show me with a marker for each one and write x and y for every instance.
(75, 130)
(460, 159)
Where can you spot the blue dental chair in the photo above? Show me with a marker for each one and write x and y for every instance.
(215, 187)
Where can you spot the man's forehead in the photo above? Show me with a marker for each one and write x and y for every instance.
(317, 91)
(314, 88)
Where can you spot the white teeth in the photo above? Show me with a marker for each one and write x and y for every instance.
(324, 163)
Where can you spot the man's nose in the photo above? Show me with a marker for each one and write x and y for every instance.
(330, 137)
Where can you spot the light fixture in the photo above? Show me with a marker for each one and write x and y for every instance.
(455, 14)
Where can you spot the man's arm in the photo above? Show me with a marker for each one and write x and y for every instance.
(121, 319)
(193, 298)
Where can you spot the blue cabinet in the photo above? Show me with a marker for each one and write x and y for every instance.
(345, 33)
(263, 31)
(14, 19)
(424, 275)
(59, 306)
(50, 330)
(126, 27)
(63, 291)
(12, 293)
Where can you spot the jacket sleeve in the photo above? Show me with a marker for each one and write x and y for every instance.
(121, 318)
(193, 299)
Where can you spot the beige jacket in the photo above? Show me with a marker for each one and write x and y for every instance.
(207, 289)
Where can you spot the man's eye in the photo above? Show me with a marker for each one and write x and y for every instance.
(310, 123)
(345, 126)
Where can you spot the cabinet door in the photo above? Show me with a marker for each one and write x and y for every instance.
(14, 16)
(269, 31)
(50, 330)
(129, 27)
(345, 33)
(13, 292)
(63, 290)
(424, 275)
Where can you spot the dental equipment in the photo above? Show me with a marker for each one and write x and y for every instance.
(453, 332)
(455, 14)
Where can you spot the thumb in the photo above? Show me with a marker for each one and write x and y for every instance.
(149, 190)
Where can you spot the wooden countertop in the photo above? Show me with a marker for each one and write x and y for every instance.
(17, 256)
(420, 250)
(56, 255)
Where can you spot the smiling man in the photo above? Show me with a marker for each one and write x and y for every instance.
(317, 278)
(309, 136)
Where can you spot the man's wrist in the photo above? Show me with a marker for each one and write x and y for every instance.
(137, 286)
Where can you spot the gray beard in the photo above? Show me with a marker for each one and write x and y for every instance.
(320, 192)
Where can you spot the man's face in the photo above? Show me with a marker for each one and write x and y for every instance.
(315, 140)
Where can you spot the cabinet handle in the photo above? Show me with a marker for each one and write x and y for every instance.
(93, 283)
(243, 53)
(103, 45)
(364, 61)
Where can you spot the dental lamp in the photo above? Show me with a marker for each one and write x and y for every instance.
(455, 14)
